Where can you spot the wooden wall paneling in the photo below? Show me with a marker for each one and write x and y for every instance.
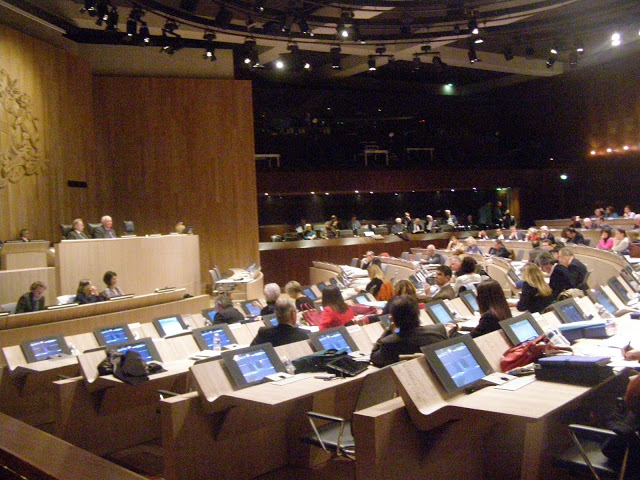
(13, 283)
(58, 86)
(182, 150)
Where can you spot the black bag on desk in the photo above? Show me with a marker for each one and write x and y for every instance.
(132, 369)
(574, 369)
(317, 362)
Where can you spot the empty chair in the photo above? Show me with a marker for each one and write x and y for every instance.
(65, 229)
(129, 227)
(520, 255)
(381, 231)
(404, 255)
(345, 233)
(354, 261)
(9, 307)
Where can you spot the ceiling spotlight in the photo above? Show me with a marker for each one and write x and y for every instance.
(335, 58)
(307, 66)
(473, 56)
(478, 40)
(279, 64)
(258, 6)
(372, 63)
(473, 26)
(616, 40)
(210, 54)
(579, 46)
(343, 31)
(553, 51)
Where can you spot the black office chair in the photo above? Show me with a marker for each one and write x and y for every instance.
(129, 227)
(92, 228)
(336, 436)
(345, 233)
(354, 261)
(585, 455)
(64, 230)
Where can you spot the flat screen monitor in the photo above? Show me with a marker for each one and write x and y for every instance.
(333, 281)
(385, 320)
(568, 311)
(362, 298)
(251, 308)
(270, 320)
(209, 314)
(144, 347)
(470, 300)
(439, 312)
(521, 328)
(337, 338)
(513, 275)
(458, 362)
(204, 336)
(598, 296)
(43, 348)
(631, 280)
(189, 230)
(112, 334)
(249, 366)
(308, 292)
(171, 325)
(619, 289)
(632, 269)
(321, 286)
(414, 279)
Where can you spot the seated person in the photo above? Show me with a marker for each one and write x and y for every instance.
(87, 293)
(472, 245)
(536, 294)
(286, 331)
(376, 279)
(335, 312)
(226, 312)
(499, 234)
(573, 236)
(294, 290)
(454, 243)
(111, 281)
(271, 294)
(402, 287)
(416, 226)
(442, 290)
(514, 235)
(545, 233)
(398, 226)
(25, 235)
(536, 251)
(466, 275)
(33, 300)
(432, 257)
(308, 233)
(620, 241)
(560, 277)
(499, 250)
(370, 259)
(577, 269)
(105, 230)
(77, 232)
(410, 335)
(431, 225)
(482, 236)
(493, 308)
(606, 242)
(331, 231)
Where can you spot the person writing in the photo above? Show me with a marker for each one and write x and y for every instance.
(33, 300)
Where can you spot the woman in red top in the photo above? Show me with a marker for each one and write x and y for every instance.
(335, 312)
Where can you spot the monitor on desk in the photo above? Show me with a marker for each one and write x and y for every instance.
(252, 308)
(321, 286)
(385, 320)
(597, 295)
(188, 230)
(438, 312)
(337, 338)
(513, 276)
(470, 300)
(144, 347)
(308, 292)
(171, 325)
(209, 314)
(416, 282)
(521, 328)
(630, 279)
(362, 298)
(204, 336)
(113, 334)
(619, 289)
(249, 366)
(568, 311)
(270, 320)
(43, 348)
(458, 363)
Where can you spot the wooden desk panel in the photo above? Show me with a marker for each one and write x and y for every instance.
(19, 255)
(142, 263)
(14, 283)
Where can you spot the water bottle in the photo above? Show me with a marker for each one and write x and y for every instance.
(603, 312)
(288, 366)
(74, 350)
(217, 345)
(557, 339)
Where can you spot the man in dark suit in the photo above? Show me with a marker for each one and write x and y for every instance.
(433, 257)
(227, 313)
(577, 269)
(286, 331)
(105, 230)
(442, 290)
(405, 317)
(25, 235)
(573, 236)
(560, 279)
(33, 300)
(499, 250)
(77, 233)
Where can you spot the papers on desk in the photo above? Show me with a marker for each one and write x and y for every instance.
(374, 303)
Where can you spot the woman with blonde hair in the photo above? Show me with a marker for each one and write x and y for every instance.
(536, 293)
(472, 246)
(376, 279)
(453, 242)
(294, 290)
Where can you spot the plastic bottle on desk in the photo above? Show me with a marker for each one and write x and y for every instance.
(217, 344)
(288, 366)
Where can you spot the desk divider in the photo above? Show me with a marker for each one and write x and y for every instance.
(458, 305)
(374, 331)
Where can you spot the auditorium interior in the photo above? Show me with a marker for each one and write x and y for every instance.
(244, 120)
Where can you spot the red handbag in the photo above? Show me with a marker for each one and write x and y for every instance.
(312, 318)
(528, 352)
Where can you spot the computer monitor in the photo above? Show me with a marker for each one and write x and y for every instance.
(385, 320)
(143, 346)
(252, 267)
(439, 312)
(619, 289)
(171, 325)
(204, 336)
(270, 320)
(249, 366)
(630, 279)
(361, 299)
(188, 230)
(414, 279)
(307, 291)
(521, 328)
(129, 227)
(321, 286)
(337, 338)
(42, 348)
(209, 314)
(632, 269)
(458, 362)
(251, 308)
(112, 334)
(470, 299)
(597, 295)
(515, 278)
(568, 311)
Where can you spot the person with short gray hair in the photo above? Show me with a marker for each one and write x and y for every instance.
(271, 294)
(105, 230)
(286, 331)
(226, 312)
